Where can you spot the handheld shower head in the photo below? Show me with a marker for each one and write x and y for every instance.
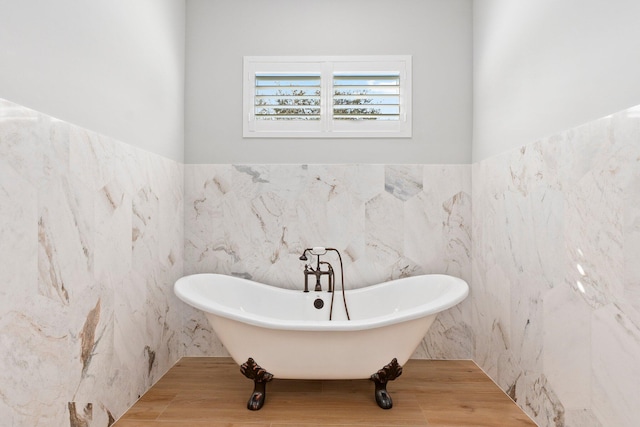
(316, 250)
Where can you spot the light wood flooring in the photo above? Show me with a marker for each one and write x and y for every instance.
(211, 392)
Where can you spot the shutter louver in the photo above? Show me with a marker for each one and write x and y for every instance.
(287, 96)
(365, 96)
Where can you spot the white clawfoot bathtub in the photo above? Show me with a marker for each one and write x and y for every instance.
(287, 336)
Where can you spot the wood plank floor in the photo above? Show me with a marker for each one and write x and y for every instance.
(211, 392)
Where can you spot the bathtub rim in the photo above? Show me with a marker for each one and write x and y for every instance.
(435, 306)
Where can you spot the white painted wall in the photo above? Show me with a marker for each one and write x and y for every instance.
(437, 33)
(545, 66)
(112, 66)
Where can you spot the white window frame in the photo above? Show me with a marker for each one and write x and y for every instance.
(326, 127)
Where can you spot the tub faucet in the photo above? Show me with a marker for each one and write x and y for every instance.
(318, 272)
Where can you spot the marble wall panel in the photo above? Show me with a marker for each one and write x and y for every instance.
(90, 246)
(93, 233)
(388, 221)
(555, 256)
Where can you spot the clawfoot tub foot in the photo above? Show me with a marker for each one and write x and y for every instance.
(260, 377)
(388, 373)
(257, 397)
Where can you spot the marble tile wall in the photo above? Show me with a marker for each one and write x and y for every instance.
(91, 242)
(388, 221)
(93, 233)
(556, 273)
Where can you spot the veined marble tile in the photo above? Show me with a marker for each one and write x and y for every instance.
(384, 229)
(19, 242)
(91, 158)
(345, 225)
(34, 379)
(113, 224)
(205, 185)
(250, 180)
(538, 213)
(615, 346)
(423, 230)
(362, 181)
(255, 220)
(307, 219)
(66, 239)
(631, 231)
(325, 182)
(198, 337)
(129, 333)
(457, 235)
(567, 346)
(450, 336)
(403, 181)
(594, 239)
(581, 418)
(491, 296)
(145, 228)
(95, 355)
(532, 392)
(73, 305)
(23, 140)
(557, 220)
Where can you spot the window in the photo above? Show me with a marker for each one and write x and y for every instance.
(366, 96)
(287, 97)
(327, 97)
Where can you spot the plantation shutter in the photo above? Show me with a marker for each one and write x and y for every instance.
(366, 96)
(327, 96)
(287, 96)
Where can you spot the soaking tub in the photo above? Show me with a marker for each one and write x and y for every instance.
(283, 333)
